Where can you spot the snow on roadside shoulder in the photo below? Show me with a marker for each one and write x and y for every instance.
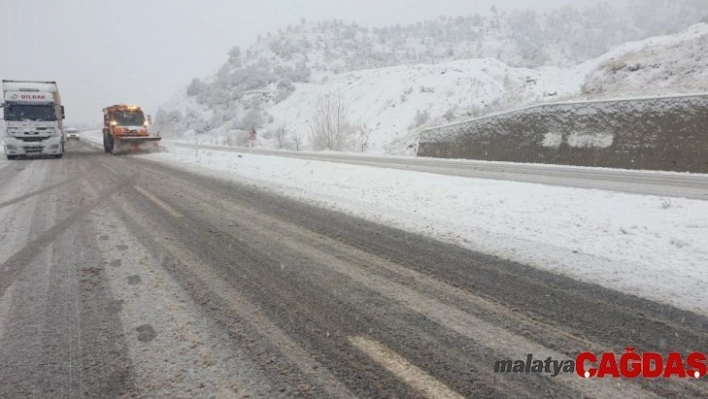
(643, 245)
(94, 136)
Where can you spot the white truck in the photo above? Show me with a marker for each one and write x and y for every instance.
(33, 117)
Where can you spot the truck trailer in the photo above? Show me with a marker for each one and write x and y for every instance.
(33, 116)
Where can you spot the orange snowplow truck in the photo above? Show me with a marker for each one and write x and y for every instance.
(125, 129)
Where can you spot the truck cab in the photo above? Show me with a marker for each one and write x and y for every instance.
(33, 116)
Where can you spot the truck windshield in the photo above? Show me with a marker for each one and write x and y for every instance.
(129, 118)
(30, 112)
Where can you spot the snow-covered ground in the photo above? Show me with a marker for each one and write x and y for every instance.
(389, 100)
(645, 245)
(397, 102)
(660, 65)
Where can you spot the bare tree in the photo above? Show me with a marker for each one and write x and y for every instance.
(298, 139)
(280, 135)
(363, 136)
(420, 118)
(329, 125)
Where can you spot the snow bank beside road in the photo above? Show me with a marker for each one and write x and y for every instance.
(644, 245)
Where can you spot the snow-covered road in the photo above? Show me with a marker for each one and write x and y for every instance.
(654, 247)
(139, 275)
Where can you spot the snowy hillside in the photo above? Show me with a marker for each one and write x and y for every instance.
(392, 82)
(662, 65)
(393, 101)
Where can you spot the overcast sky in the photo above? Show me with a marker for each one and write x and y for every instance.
(143, 51)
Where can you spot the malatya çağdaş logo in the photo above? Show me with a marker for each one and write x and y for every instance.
(630, 364)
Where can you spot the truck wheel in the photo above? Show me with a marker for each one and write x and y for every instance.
(58, 156)
(109, 144)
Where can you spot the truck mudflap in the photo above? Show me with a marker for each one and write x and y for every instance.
(131, 145)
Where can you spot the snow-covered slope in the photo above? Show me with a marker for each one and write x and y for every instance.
(661, 65)
(392, 100)
(395, 102)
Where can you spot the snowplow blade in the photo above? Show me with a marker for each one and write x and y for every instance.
(136, 145)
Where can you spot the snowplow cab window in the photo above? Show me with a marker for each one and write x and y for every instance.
(129, 118)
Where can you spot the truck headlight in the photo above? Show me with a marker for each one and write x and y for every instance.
(11, 147)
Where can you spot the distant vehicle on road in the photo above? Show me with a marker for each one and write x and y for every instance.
(72, 134)
(33, 119)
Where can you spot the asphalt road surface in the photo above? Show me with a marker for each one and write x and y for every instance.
(125, 278)
(688, 185)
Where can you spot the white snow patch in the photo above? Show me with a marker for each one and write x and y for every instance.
(552, 139)
(591, 140)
